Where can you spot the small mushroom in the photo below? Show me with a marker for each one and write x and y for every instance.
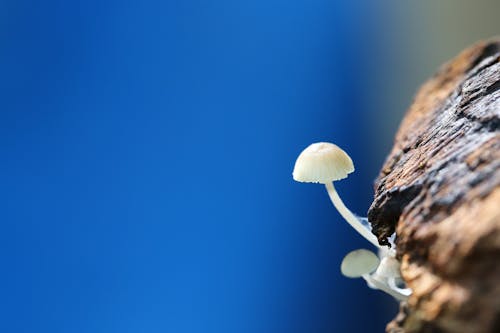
(397, 293)
(325, 163)
(358, 263)
(388, 272)
(361, 263)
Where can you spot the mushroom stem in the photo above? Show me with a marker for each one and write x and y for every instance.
(399, 294)
(405, 292)
(349, 216)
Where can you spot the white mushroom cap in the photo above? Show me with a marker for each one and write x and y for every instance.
(322, 162)
(358, 263)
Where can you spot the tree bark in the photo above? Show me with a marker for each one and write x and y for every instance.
(439, 190)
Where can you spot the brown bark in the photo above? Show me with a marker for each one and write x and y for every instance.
(439, 189)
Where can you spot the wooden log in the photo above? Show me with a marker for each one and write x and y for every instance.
(439, 190)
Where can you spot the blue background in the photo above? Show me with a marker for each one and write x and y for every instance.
(147, 150)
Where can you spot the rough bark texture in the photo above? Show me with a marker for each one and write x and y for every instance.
(440, 191)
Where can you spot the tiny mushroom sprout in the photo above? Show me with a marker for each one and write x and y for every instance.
(389, 273)
(324, 163)
(363, 263)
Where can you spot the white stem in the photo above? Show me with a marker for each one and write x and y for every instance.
(397, 294)
(403, 291)
(349, 216)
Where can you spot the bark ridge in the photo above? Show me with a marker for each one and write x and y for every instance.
(439, 190)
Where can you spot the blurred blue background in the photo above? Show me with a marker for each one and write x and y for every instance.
(147, 150)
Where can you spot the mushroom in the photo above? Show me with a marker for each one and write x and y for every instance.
(324, 163)
(389, 273)
(360, 263)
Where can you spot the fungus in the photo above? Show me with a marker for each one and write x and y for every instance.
(389, 272)
(378, 274)
(358, 263)
(324, 163)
